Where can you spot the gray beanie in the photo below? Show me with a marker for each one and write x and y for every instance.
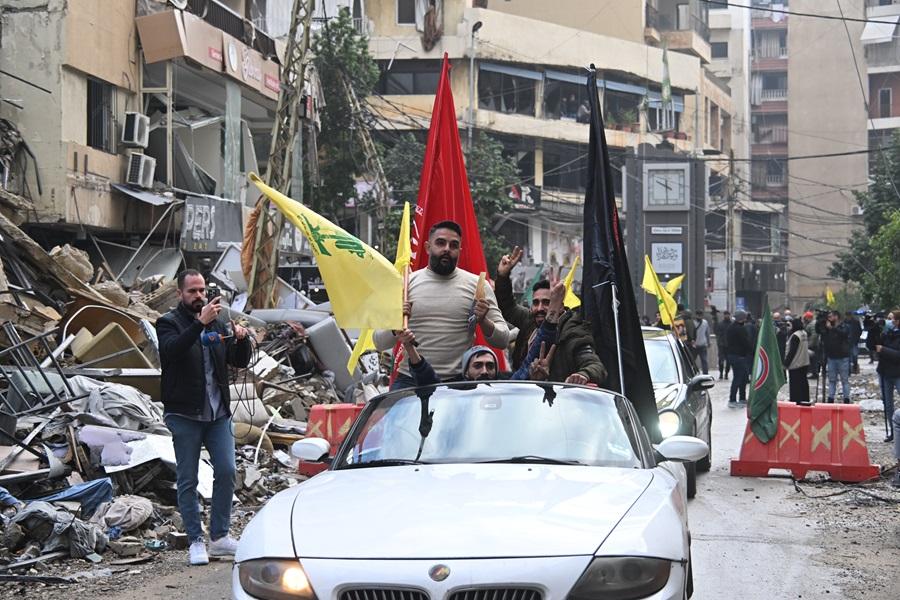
(474, 351)
(740, 315)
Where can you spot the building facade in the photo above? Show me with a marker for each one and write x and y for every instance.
(518, 74)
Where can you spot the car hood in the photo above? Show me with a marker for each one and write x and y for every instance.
(668, 395)
(462, 511)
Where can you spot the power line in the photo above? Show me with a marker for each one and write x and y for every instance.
(726, 4)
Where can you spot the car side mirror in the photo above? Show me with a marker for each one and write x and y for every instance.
(311, 449)
(682, 448)
(702, 382)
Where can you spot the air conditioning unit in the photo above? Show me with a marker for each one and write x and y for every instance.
(136, 130)
(140, 170)
(856, 210)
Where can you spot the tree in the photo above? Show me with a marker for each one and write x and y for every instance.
(878, 203)
(884, 280)
(340, 52)
(490, 176)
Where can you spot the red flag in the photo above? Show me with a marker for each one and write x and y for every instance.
(444, 192)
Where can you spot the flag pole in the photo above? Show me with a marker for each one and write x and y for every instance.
(405, 295)
(615, 304)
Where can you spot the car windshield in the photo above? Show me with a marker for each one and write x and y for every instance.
(663, 368)
(493, 422)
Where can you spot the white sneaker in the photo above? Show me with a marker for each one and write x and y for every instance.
(225, 546)
(198, 554)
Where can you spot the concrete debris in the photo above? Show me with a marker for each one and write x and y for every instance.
(93, 462)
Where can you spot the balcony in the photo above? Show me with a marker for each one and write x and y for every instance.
(771, 136)
(651, 25)
(774, 95)
(684, 27)
(883, 58)
(223, 18)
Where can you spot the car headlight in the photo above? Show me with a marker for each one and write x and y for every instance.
(275, 579)
(669, 423)
(621, 578)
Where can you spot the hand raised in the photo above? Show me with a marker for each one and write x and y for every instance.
(508, 261)
(210, 312)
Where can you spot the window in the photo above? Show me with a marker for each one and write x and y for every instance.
(505, 93)
(410, 77)
(622, 108)
(884, 103)
(756, 231)
(565, 166)
(719, 49)
(564, 100)
(684, 16)
(100, 111)
(715, 231)
(406, 12)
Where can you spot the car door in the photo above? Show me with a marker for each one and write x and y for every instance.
(697, 399)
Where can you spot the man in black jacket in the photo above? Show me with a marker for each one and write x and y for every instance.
(721, 331)
(836, 342)
(740, 357)
(194, 350)
(888, 350)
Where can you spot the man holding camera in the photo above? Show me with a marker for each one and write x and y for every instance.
(194, 351)
(835, 337)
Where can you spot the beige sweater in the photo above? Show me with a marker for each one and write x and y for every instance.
(440, 310)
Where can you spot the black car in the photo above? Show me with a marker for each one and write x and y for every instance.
(681, 395)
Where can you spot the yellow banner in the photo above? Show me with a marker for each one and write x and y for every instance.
(571, 300)
(664, 300)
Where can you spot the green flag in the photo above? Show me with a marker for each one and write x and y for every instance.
(766, 379)
(526, 297)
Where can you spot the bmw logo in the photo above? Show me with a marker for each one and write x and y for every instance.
(439, 572)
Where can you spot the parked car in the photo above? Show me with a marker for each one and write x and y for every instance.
(681, 395)
(475, 491)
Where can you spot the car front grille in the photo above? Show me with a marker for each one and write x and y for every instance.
(383, 594)
(497, 594)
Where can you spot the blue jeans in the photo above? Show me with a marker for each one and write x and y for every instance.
(838, 367)
(188, 437)
(896, 421)
(888, 385)
(702, 353)
(740, 373)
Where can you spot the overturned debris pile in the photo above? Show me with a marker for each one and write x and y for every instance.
(87, 466)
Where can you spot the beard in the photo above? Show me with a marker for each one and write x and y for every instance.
(196, 306)
(539, 317)
(442, 264)
(485, 377)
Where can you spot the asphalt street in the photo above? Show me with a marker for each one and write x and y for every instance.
(750, 537)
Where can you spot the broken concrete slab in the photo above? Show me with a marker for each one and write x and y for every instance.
(111, 340)
(330, 345)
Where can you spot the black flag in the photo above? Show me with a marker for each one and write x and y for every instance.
(605, 266)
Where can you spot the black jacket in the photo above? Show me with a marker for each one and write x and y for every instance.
(738, 340)
(721, 331)
(889, 357)
(836, 341)
(517, 316)
(183, 378)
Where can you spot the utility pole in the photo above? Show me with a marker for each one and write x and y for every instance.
(471, 116)
(729, 234)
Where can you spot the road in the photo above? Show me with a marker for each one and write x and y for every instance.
(751, 537)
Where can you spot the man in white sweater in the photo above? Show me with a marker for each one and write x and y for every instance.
(443, 310)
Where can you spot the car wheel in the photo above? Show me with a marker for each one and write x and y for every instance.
(691, 470)
(705, 463)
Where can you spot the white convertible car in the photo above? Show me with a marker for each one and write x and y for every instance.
(480, 491)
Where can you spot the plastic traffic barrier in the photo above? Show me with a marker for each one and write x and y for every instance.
(823, 437)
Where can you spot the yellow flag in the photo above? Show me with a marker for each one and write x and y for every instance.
(829, 297)
(674, 284)
(571, 300)
(366, 340)
(665, 303)
(404, 254)
(365, 290)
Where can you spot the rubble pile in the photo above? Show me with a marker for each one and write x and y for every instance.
(87, 466)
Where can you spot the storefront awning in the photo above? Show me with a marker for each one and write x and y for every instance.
(881, 31)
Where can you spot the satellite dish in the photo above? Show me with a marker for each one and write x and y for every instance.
(179, 4)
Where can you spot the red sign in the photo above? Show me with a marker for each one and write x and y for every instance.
(272, 83)
(215, 54)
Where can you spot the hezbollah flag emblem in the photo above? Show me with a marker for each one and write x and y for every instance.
(767, 379)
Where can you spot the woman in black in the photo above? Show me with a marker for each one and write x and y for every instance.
(796, 360)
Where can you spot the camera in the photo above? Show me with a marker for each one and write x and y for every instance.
(213, 291)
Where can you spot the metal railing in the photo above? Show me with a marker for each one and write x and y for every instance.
(774, 94)
(221, 17)
(771, 135)
(775, 180)
(770, 52)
